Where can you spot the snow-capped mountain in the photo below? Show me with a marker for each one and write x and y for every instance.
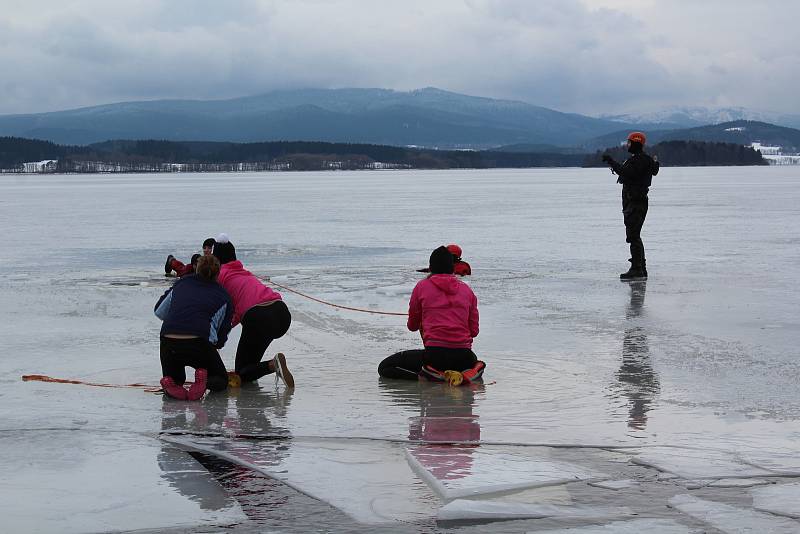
(690, 116)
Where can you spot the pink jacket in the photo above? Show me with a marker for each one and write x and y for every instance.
(244, 288)
(447, 311)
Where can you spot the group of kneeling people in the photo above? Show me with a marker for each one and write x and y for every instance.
(216, 292)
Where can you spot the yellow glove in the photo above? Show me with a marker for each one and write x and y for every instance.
(234, 380)
(453, 378)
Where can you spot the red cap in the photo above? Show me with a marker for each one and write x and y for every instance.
(455, 250)
(637, 137)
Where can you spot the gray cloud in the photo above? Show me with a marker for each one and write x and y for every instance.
(589, 56)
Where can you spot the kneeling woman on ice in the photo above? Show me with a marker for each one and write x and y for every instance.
(262, 312)
(197, 315)
(445, 311)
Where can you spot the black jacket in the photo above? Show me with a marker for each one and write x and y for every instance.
(636, 174)
(196, 307)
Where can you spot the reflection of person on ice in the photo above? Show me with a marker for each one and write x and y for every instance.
(445, 312)
(636, 176)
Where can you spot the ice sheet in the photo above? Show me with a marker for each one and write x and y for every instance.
(702, 355)
(698, 464)
(635, 526)
(369, 481)
(614, 484)
(83, 482)
(468, 509)
(454, 472)
(731, 519)
(781, 499)
(738, 483)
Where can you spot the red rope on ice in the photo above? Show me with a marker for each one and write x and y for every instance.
(44, 378)
(363, 310)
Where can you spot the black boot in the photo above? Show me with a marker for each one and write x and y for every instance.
(634, 273)
(168, 264)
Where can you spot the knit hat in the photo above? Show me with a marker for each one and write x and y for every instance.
(441, 261)
(455, 250)
(224, 249)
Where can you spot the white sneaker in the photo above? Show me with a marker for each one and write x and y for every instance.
(281, 371)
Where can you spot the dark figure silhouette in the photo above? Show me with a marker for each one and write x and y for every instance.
(637, 378)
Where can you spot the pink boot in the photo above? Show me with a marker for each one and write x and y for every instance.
(171, 389)
(198, 389)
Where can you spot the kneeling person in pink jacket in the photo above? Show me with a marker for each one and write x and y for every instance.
(445, 311)
(262, 312)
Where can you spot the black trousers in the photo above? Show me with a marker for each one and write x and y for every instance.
(260, 325)
(634, 212)
(407, 364)
(177, 354)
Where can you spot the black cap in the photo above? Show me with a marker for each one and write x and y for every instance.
(441, 261)
(225, 252)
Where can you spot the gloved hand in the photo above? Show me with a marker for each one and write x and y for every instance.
(607, 159)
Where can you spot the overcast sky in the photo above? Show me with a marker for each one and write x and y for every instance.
(586, 56)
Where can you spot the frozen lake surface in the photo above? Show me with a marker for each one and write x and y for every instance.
(671, 405)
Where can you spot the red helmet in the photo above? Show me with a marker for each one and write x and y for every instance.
(637, 137)
(455, 250)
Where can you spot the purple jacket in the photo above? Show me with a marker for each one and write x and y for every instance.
(446, 310)
(244, 288)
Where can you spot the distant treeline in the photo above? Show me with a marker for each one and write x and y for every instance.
(157, 156)
(199, 156)
(687, 154)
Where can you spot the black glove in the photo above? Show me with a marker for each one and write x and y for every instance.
(607, 159)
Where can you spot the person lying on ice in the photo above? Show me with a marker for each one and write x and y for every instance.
(460, 267)
(445, 312)
(182, 269)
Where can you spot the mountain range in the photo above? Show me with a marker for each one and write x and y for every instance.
(428, 117)
(690, 116)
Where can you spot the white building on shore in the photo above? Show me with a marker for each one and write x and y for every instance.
(775, 156)
(47, 165)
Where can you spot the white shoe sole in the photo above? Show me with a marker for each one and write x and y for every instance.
(282, 371)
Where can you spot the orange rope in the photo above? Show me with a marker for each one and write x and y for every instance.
(332, 304)
(43, 378)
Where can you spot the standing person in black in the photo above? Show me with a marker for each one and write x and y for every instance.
(635, 175)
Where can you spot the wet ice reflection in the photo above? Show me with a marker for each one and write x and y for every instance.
(83, 481)
(637, 379)
(694, 372)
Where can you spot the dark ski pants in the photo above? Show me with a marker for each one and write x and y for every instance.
(177, 354)
(260, 326)
(408, 363)
(634, 212)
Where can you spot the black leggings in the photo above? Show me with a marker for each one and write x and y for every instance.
(260, 325)
(408, 363)
(177, 354)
